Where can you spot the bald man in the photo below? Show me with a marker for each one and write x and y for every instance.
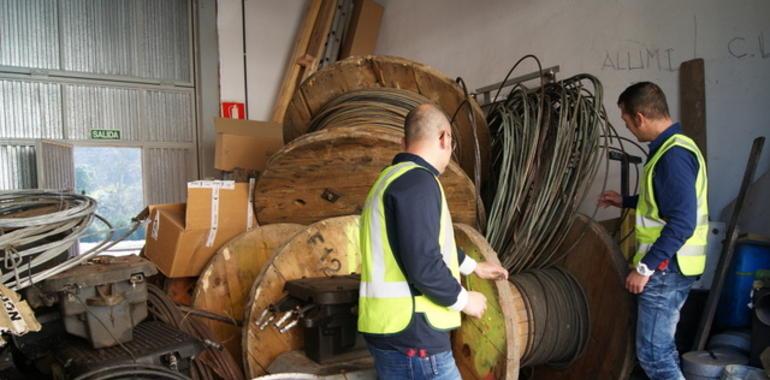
(411, 296)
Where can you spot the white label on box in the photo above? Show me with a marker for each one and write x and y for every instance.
(215, 184)
(214, 216)
(155, 225)
(250, 206)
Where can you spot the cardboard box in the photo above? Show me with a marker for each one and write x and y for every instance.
(231, 200)
(245, 144)
(364, 29)
(181, 238)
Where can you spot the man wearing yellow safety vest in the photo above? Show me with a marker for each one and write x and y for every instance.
(671, 226)
(410, 296)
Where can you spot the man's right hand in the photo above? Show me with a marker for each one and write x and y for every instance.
(477, 304)
(610, 198)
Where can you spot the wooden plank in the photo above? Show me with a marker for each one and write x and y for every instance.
(486, 348)
(692, 101)
(317, 43)
(361, 38)
(379, 71)
(599, 266)
(225, 283)
(326, 248)
(293, 74)
(329, 173)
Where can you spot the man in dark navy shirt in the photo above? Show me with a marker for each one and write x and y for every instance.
(412, 210)
(671, 217)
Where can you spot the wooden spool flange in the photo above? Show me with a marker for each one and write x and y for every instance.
(224, 285)
(486, 348)
(326, 248)
(598, 264)
(365, 72)
(329, 173)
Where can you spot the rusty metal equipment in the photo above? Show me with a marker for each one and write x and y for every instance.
(103, 299)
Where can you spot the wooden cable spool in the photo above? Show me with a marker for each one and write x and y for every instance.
(326, 248)
(329, 173)
(224, 285)
(357, 73)
(483, 348)
(487, 348)
(598, 265)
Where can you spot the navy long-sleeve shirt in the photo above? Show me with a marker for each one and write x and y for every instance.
(673, 186)
(412, 219)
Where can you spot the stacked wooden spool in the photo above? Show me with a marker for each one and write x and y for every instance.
(306, 202)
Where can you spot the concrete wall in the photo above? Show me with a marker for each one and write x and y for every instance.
(621, 42)
(270, 29)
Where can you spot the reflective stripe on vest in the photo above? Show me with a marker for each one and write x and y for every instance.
(692, 256)
(386, 304)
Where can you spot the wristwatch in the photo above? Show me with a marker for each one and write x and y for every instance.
(642, 269)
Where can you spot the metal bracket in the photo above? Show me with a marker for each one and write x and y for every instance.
(486, 91)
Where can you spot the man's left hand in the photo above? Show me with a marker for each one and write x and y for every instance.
(489, 271)
(635, 282)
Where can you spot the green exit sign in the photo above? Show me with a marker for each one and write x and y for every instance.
(105, 134)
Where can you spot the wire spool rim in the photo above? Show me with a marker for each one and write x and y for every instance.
(367, 72)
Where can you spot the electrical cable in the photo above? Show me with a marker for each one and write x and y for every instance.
(546, 151)
(559, 319)
(211, 363)
(39, 226)
(132, 370)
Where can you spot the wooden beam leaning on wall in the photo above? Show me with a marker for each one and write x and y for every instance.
(308, 48)
(692, 100)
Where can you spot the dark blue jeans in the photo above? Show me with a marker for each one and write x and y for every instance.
(659, 306)
(394, 365)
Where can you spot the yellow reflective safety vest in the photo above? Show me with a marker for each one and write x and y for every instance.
(649, 224)
(386, 304)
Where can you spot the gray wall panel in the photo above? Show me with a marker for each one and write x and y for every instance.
(101, 107)
(167, 172)
(140, 39)
(55, 166)
(30, 109)
(169, 116)
(17, 166)
(29, 34)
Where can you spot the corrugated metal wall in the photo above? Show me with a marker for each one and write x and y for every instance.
(167, 171)
(70, 66)
(55, 166)
(17, 166)
(30, 109)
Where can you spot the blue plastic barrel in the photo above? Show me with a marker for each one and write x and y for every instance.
(751, 254)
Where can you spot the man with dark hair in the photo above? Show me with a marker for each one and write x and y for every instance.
(410, 296)
(671, 226)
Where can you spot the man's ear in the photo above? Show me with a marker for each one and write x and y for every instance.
(638, 119)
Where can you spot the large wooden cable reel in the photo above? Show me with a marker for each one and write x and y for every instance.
(599, 266)
(483, 348)
(225, 283)
(372, 72)
(327, 248)
(328, 173)
(596, 262)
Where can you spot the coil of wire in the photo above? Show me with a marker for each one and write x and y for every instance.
(212, 363)
(547, 149)
(559, 318)
(387, 108)
(38, 227)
